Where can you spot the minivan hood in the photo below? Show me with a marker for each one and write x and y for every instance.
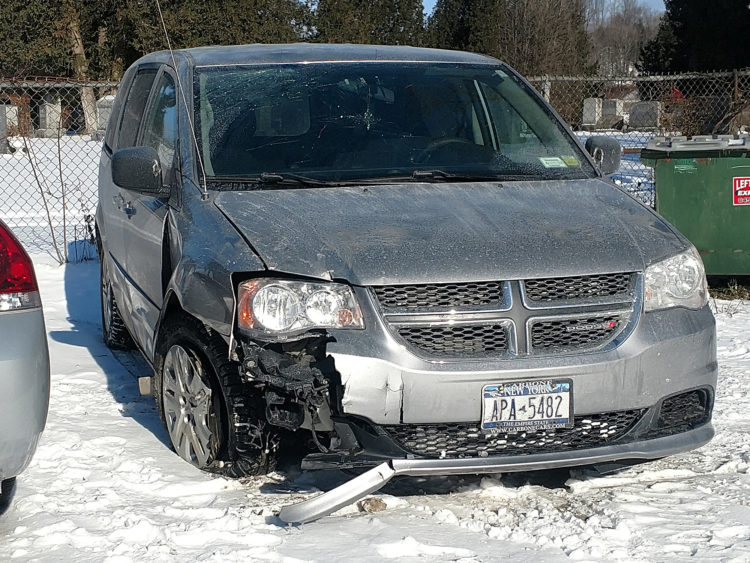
(428, 233)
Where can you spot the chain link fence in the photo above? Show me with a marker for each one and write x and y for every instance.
(51, 131)
(50, 141)
(636, 109)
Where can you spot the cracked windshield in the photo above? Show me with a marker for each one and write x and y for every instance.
(332, 123)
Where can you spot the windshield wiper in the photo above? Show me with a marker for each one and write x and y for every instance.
(273, 179)
(443, 176)
(286, 178)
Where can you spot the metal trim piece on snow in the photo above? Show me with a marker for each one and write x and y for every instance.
(372, 480)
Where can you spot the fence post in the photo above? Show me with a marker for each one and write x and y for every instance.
(4, 148)
(736, 92)
(546, 87)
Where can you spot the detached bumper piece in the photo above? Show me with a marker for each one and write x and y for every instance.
(372, 480)
(677, 424)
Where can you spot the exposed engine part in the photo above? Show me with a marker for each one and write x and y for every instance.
(296, 378)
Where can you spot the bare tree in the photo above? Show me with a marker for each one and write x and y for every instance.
(619, 29)
(596, 13)
(527, 30)
(536, 37)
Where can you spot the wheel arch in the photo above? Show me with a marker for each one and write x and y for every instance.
(247, 443)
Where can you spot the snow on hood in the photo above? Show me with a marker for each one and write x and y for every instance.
(418, 233)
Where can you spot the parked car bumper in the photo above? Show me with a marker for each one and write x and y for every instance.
(24, 388)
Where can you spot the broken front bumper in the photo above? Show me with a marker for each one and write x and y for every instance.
(375, 478)
(658, 384)
(384, 382)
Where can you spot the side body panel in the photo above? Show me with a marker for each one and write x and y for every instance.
(24, 388)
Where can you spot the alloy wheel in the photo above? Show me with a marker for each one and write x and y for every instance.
(188, 407)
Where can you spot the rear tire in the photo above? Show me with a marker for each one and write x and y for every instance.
(114, 332)
(7, 491)
(215, 421)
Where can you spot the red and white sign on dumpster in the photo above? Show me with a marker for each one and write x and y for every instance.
(742, 191)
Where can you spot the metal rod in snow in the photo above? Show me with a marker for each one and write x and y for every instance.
(343, 495)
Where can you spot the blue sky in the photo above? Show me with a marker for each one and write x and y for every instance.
(655, 4)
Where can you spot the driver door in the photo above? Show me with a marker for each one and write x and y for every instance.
(143, 231)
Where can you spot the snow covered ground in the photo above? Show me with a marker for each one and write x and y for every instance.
(104, 486)
(50, 182)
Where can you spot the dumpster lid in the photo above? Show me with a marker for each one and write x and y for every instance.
(704, 145)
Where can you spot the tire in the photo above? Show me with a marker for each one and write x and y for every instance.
(215, 421)
(114, 332)
(7, 491)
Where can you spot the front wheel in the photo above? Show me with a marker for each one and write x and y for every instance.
(189, 408)
(215, 421)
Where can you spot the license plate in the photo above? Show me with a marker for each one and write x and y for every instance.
(527, 405)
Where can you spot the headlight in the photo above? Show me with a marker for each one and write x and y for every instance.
(282, 307)
(679, 281)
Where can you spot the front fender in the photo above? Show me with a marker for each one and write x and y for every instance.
(203, 258)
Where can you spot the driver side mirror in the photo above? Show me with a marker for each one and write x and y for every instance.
(606, 152)
(138, 169)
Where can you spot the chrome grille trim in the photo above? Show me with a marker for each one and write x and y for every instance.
(521, 317)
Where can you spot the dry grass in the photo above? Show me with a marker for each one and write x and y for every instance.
(730, 289)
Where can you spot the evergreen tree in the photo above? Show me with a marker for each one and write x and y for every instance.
(695, 35)
(100, 38)
(451, 23)
(31, 40)
(386, 22)
(215, 22)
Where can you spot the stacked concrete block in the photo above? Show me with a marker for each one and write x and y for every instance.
(11, 116)
(612, 108)
(592, 111)
(645, 115)
(103, 111)
(50, 112)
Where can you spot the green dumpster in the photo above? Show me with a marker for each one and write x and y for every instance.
(703, 189)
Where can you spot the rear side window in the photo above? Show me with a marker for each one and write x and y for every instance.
(134, 105)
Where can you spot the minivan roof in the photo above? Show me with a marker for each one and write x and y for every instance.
(315, 52)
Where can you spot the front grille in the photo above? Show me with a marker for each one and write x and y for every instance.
(537, 316)
(573, 334)
(579, 287)
(466, 440)
(440, 296)
(457, 340)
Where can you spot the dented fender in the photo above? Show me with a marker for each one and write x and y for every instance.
(369, 390)
(202, 266)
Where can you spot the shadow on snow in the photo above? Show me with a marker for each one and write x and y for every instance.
(121, 369)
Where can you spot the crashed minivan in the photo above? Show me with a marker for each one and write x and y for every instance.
(402, 256)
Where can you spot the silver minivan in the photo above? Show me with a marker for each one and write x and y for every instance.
(401, 255)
